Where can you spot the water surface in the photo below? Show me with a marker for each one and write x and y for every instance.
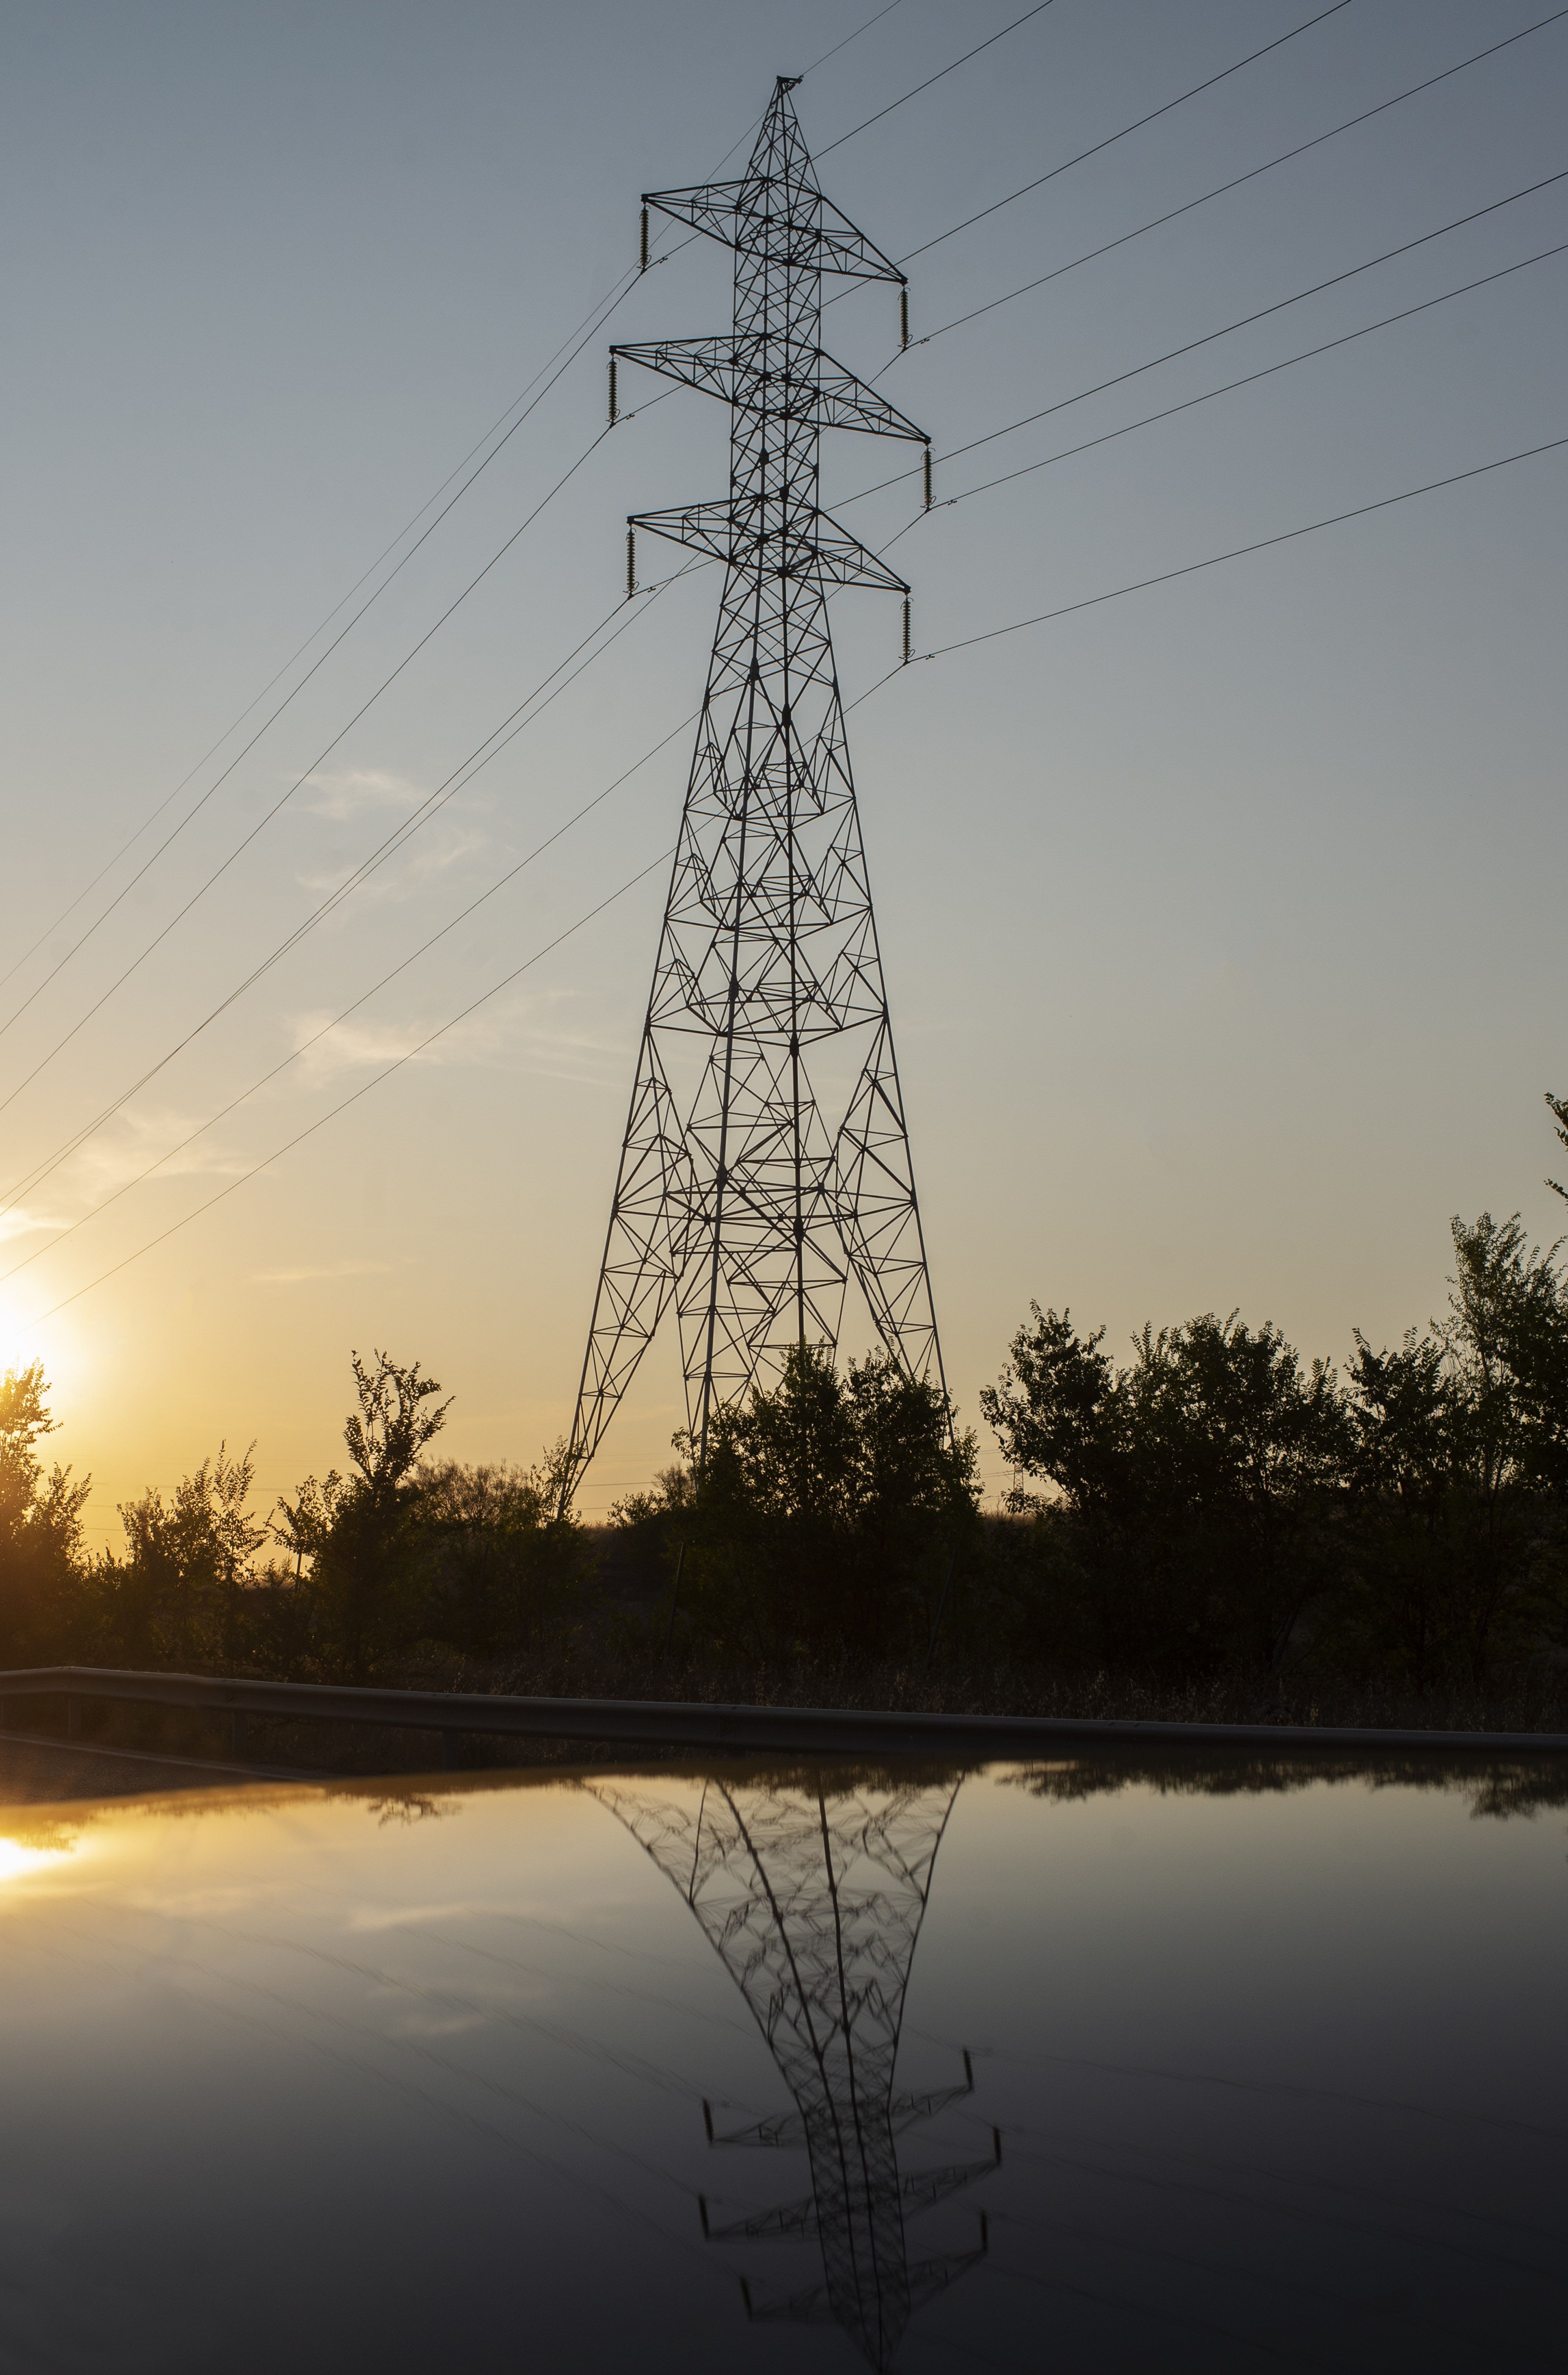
(1078, 2067)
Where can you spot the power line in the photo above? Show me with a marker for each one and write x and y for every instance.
(1168, 411)
(363, 999)
(941, 651)
(464, 774)
(1038, 9)
(193, 812)
(363, 1091)
(429, 808)
(591, 321)
(344, 890)
(876, 18)
(822, 60)
(153, 814)
(1092, 254)
(1238, 553)
(1209, 337)
(261, 822)
(1111, 138)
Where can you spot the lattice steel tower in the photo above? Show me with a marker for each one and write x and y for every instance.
(766, 1160)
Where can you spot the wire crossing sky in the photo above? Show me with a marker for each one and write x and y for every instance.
(1218, 917)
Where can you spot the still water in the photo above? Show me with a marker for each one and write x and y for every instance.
(1070, 2068)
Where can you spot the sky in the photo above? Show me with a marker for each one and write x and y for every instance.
(1221, 919)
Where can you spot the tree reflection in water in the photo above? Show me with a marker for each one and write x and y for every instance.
(812, 1892)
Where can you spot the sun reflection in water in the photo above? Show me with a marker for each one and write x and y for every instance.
(18, 1860)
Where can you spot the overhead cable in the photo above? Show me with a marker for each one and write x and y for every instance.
(1168, 411)
(279, 674)
(1037, 10)
(941, 651)
(1110, 140)
(1214, 561)
(363, 999)
(363, 1091)
(1093, 253)
(886, 11)
(316, 665)
(591, 321)
(477, 759)
(1245, 321)
(263, 822)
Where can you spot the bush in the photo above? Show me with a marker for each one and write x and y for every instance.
(1215, 1503)
(830, 1513)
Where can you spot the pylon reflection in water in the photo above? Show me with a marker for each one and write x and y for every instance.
(813, 1899)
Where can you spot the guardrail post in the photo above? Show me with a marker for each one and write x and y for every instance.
(451, 1751)
(72, 1718)
(237, 1738)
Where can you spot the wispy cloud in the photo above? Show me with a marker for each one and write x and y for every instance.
(409, 870)
(521, 1037)
(21, 1222)
(137, 1139)
(327, 1270)
(348, 794)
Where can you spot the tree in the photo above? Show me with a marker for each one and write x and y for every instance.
(41, 1526)
(365, 1567)
(500, 1565)
(1559, 1110)
(826, 1511)
(1405, 1410)
(177, 1596)
(303, 1524)
(1506, 1347)
(1199, 1481)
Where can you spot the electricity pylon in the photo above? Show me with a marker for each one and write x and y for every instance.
(813, 1899)
(766, 1160)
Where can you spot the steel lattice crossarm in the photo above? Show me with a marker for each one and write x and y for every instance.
(824, 545)
(765, 1165)
(810, 391)
(814, 236)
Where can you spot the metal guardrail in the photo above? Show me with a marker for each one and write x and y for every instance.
(667, 1723)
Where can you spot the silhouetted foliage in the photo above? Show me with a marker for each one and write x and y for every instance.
(1201, 1477)
(1559, 1110)
(1212, 1515)
(366, 1571)
(177, 1595)
(500, 1570)
(828, 1512)
(41, 1529)
(1215, 1503)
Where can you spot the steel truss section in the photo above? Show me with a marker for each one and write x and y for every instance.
(766, 1160)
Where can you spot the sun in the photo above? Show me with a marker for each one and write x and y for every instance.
(23, 1342)
(16, 1348)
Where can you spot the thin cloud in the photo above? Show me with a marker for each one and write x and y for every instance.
(519, 1038)
(401, 877)
(20, 1222)
(139, 1139)
(349, 794)
(304, 1277)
